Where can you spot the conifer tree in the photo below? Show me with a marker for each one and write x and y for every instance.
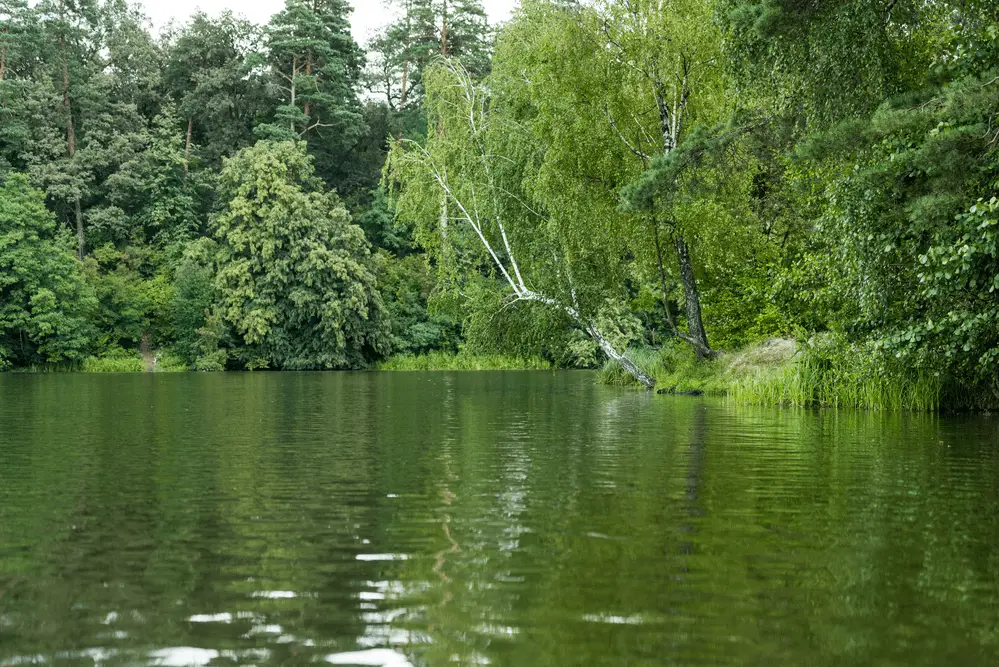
(315, 67)
(424, 31)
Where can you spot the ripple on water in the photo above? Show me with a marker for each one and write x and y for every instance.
(507, 519)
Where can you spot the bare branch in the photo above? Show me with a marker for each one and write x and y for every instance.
(641, 154)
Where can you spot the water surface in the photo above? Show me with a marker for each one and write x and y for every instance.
(514, 519)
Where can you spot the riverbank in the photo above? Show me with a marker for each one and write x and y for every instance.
(781, 372)
(123, 361)
(777, 372)
(118, 361)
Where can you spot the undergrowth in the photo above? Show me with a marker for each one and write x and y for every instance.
(117, 361)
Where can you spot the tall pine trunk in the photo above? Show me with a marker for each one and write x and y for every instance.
(81, 239)
(404, 95)
(67, 103)
(444, 30)
(405, 84)
(294, 91)
(3, 55)
(308, 72)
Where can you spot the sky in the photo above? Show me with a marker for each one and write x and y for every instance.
(368, 14)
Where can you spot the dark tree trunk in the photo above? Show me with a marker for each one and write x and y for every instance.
(67, 104)
(187, 144)
(81, 239)
(3, 57)
(444, 31)
(698, 337)
(671, 124)
(662, 279)
(308, 72)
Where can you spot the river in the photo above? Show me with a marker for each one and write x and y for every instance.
(515, 519)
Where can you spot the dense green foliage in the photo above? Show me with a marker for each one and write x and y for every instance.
(726, 172)
(45, 302)
(689, 175)
(292, 277)
(221, 181)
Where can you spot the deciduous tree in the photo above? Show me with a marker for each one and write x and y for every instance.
(293, 278)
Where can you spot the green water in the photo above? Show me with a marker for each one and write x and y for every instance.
(513, 519)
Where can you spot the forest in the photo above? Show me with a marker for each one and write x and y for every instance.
(792, 202)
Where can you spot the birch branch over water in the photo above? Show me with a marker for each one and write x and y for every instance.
(477, 202)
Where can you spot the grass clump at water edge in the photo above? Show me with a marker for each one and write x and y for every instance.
(126, 361)
(462, 361)
(781, 373)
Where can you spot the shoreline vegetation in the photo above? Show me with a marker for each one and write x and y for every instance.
(783, 373)
(671, 191)
(462, 361)
(774, 373)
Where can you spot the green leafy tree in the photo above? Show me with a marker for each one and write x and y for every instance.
(900, 261)
(134, 292)
(132, 57)
(20, 44)
(618, 97)
(45, 304)
(293, 277)
(196, 327)
(463, 191)
(154, 191)
(208, 73)
(406, 284)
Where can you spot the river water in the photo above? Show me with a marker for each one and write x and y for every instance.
(517, 519)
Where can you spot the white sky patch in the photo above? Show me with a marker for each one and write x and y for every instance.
(368, 14)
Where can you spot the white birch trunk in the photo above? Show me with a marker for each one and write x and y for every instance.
(453, 207)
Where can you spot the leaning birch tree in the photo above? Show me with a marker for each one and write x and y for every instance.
(466, 192)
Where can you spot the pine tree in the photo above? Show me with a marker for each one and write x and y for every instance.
(71, 35)
(425, 31)
(315, 63)
(315, 68)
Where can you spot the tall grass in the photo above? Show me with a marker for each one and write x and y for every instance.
(444, 361)
(773, 374)
(125, 361)
(66, 367)
(803, 384)
(168, 362)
